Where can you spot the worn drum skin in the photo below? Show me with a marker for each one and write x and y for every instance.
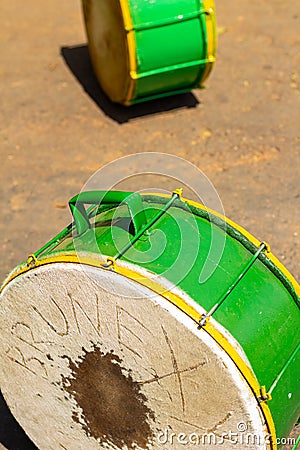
(151, 322)
(145, 49)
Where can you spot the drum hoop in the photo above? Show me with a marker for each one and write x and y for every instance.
(210, 19)
(131, 43)
(129, 271)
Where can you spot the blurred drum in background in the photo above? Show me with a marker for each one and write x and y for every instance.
(113, 336)
(145, 49)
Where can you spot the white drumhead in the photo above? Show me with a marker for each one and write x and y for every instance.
(83, 367)
(108, 46)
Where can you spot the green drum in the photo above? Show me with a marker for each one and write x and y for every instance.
(145, 49)
(151, 322)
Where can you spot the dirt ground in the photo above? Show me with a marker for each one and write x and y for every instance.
(57, 127)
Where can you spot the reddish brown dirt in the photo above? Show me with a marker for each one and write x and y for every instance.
(57, 128)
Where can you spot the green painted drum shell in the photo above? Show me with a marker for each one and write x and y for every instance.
(170, 57)
(261, 313)
(169, 46)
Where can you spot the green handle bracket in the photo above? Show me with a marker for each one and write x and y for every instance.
(131, 199)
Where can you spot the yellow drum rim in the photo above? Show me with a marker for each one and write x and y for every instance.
(209, 7)
(131, 43)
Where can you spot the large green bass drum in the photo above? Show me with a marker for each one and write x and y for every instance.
(145, 49)
(151, 322)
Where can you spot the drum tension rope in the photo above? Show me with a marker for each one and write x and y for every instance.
(205, 317)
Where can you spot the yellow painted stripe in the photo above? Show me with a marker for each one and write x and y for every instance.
(181, 304)
(131, 43)
(244, 232)
(211, 33)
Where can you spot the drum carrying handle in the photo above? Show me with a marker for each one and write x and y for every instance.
(131, 199)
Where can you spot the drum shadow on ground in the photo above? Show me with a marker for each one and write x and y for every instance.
(78, 60)
(12, 436)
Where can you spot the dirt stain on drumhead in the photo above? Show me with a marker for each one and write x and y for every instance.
(113, 408)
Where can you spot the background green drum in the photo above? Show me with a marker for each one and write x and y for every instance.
(158, 303)
(142, 50)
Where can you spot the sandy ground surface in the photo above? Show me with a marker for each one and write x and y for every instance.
(57, 128)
